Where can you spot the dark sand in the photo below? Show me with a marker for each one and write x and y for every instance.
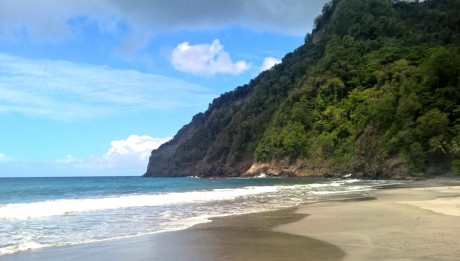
(415, 222)
(245, 237)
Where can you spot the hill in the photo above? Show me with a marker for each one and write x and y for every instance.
(374, 91)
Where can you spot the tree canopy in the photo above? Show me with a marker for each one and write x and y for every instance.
(376, 82)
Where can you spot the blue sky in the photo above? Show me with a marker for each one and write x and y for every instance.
(91, 87)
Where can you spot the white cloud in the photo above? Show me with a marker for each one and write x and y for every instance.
(51, 20)
(65, 91)
(4, 158)
(69, 159)
(205, 59)
(127, 156)
(135, 148)
(268, 63)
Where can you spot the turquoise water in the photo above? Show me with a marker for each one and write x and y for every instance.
(43, 212)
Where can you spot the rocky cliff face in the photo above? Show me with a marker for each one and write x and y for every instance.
(186, 153)
(374, 91)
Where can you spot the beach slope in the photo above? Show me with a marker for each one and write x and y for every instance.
(418, 222)
(415, 223)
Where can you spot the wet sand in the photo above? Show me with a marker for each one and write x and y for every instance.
(418, 222)
(245, 237)
(415, 223)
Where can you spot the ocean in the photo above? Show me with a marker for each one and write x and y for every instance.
(45, 212)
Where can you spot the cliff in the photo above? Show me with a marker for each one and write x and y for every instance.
(374, 91)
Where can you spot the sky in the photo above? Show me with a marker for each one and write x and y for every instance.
(91, 87)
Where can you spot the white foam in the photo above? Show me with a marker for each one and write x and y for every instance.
(348, 181)
(318, 185)
(336, 183)
(69, 206)
(358, 188)
(327, 192)
(21, 247)
(176, 211)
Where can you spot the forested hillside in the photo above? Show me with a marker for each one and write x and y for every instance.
(374, 91)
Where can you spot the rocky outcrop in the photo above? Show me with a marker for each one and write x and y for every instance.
(189, 152)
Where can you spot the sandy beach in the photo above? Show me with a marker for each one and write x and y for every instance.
(420, 221)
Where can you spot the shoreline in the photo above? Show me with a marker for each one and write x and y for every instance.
(239, 237)
(404, 222)
(388, 225)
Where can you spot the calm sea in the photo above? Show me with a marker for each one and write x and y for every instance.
(43, 212)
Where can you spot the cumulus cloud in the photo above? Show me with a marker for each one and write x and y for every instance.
(45, 20)
(64, 90)
(206, 59)
(269, 62)
(134, 148)
(124, 157)
(128, 155)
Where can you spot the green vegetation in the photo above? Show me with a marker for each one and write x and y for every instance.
(377, 82)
